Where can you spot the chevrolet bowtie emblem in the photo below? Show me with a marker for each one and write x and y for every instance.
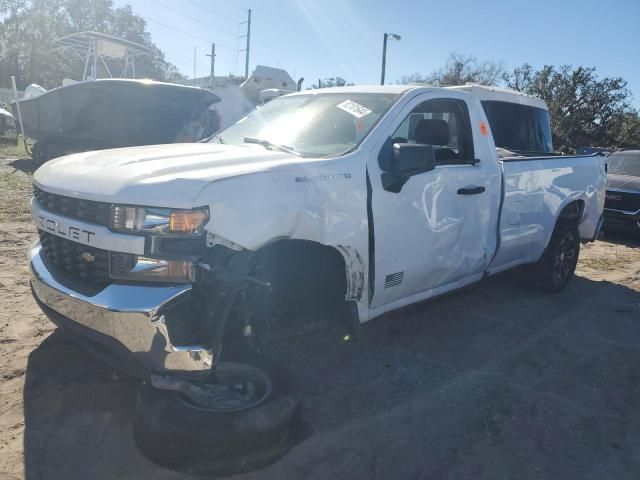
(87, 257)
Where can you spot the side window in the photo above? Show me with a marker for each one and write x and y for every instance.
(443, 123)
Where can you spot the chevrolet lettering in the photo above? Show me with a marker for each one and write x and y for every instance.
(64, 230)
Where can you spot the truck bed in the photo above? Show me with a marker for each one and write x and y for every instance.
(535, 190)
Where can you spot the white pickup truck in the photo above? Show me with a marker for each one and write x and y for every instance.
(347, 201)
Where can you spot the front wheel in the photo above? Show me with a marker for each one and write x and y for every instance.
(243, 421)
(553, 272)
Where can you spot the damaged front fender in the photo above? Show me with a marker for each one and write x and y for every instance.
(355, 271)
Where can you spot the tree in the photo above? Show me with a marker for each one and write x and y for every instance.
(331, 82)
(29, 28)
(459, 70)
(585, 110)
(627, 131)
(415, 77)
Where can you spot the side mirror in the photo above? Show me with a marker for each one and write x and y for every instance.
(412, 158)
(399, 161)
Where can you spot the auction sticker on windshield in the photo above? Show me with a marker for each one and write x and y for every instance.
(354, 108)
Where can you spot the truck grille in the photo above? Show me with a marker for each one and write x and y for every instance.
(627, 201)
(86, 263)
(98, 213)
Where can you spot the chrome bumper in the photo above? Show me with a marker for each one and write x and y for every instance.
(121, 318)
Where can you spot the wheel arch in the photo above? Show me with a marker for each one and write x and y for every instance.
(572, 210)
(344, 261)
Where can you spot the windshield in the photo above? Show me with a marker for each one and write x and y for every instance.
(519, 128)
(327, 124)
(624, 163)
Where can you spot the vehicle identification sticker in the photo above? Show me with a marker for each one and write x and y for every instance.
(354, 108)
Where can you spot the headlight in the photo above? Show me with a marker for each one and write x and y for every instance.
(158, 220)
(124, 266)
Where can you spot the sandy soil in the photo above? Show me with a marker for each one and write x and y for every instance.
(496, 381)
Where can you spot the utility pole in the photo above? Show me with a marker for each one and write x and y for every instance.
(248, 35)
(194, 66)
(213, 61)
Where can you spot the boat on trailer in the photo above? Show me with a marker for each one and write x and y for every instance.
(112, 113)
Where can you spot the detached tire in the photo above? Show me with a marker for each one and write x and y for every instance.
(38, 154)
(553, 272)
(175, 433)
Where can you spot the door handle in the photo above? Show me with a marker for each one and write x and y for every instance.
(471, 190)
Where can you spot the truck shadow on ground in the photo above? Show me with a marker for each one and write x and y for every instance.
(496, 381)
(26, 165)
(623, 238)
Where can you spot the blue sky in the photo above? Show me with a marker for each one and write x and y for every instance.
(325, 38)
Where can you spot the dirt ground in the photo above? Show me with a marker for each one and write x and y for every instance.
(496, 381)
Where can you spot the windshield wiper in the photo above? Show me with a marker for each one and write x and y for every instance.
(272, 146)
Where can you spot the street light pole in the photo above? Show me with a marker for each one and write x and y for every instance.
(384, 58)
(384, 53)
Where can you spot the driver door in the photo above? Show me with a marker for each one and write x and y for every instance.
(439, 230)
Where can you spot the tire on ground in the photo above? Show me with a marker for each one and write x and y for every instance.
(180, 436)
(545, 272)
(38, 154)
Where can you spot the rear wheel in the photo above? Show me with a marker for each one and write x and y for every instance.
(554, 271)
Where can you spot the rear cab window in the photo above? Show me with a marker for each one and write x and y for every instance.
(519, 128)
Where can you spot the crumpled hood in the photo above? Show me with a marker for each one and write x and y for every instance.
(156, 175)
(623, 181)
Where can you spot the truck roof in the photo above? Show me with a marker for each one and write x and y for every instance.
(393, 89)
(484, 93)
(481, 92)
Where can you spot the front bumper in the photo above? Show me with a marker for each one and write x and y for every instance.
(126, 322)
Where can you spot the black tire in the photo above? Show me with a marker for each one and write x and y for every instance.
(42, 153)
(174, 433)
(555, 269)
(38, 154)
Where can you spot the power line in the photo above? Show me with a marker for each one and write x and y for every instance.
(182, 58)
(214, 12)
(193, 18)
(207, 40)
(233, 64)
(234, 4)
